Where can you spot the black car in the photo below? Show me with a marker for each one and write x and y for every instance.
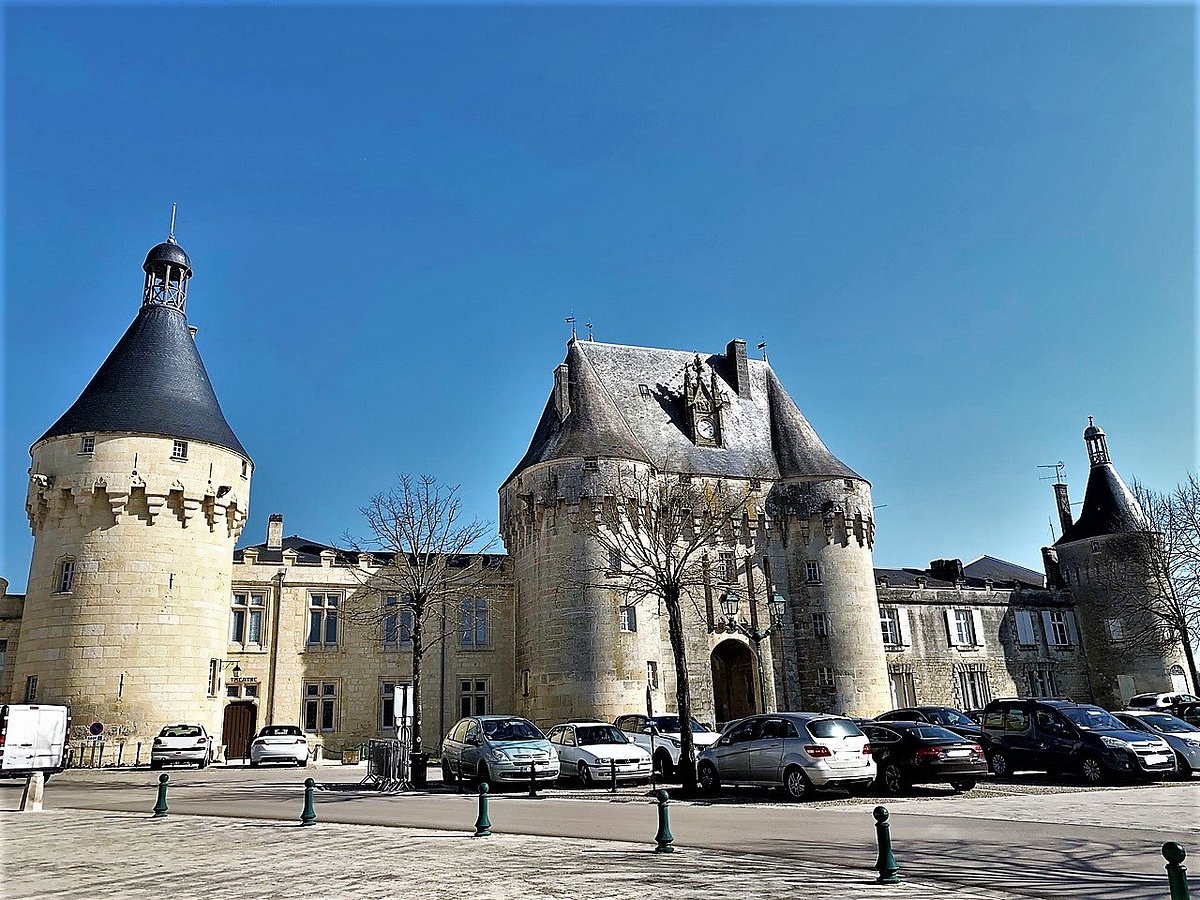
(946, 716)
(1056, 736)
(909, 753)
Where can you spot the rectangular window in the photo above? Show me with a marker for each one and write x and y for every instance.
(1116, 629)
(474, 625)
(628, 618)
(387, 704)
(474, 695)
(889, 623)
(961, 624)
(3, 656)
(246, 617)
(397, 623)
(902, 688)
(320, 705)
(524, 682)
(825, 676)
(250, 690)
(1058, 627)
(652, 675)
(728, 564)
(233, 690)
(245, 469)
(1042, 682)
(66, 576)
(971, 687)
(323, 619)
(812, 572)
(179, 449)
(31, 689)
(214, 677)
(614, 562)
(1025, 631)
(87, 445)
(591, 464)
(820, 624)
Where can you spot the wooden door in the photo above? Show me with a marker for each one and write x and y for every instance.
(238, 729)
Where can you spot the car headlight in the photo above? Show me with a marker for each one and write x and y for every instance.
(602, 762)
(675, 743)
(499, 756)
(1116, 743)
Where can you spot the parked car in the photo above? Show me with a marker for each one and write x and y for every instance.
(181, 744)
(498, 749)
(279, 743)
(33, 738)
(908, 753)
(590, 751)
(1189, 712)
(1181, 737)
(799, 752)
(1160, 701)
(946, 716)
(1059, 735)
(659, 736)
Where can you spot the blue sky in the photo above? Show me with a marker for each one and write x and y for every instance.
(960, 229)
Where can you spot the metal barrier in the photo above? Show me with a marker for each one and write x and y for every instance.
(387, 765)
(106, 755)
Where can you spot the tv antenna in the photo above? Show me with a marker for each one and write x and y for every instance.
(1057, 477)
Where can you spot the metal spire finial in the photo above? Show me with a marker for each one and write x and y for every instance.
(570, 320)
(171, 234)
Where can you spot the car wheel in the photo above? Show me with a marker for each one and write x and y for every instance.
(302, 763)
(999, 763)
(447, 772)
(585, 775)
(484, 775)
(963, 785)
(796, 783)
(666, 768)
(892, 780)
(1184, 770)
(253, 764)
(1091, 770)
(710, 781)
(156, 765)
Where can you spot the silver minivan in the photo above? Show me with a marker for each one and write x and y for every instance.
(800, 752)
(498, 749)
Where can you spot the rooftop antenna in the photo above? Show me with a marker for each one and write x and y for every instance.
(1058, 472)
(171, 234)
(570, 320)
(589, 328)
(1053, 536)
(763, 347)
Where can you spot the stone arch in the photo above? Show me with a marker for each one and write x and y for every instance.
(733, 680)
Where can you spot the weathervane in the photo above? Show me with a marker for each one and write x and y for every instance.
(763, 347)
(570, 320)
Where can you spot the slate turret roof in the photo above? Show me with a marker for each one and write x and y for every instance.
(1109, 507)
(764, 435)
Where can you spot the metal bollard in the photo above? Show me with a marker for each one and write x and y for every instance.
(120, 753)
(309, 816)
(137, 759)
(160, 808)
(100, 765)
(613, 770)
(532, 780)
(664, 838)
(458, 781)
(1174, 854)
(483, 825)
(885, 865)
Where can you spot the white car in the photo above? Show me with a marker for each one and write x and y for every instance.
(181, 744)
(590, 751)
(1160, 701)
(279, 743)
(659, 736)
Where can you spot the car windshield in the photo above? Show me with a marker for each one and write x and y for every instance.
(934, 733)
(280, 730)
(181, 731)
(831, 728)
(1168, 724)
(952, 717)
(1093, 718)
(670, 725)
(599, 734)
(510, 730)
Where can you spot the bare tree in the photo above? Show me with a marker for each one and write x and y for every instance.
(1150, 578)
(654, 531)
(421, 552)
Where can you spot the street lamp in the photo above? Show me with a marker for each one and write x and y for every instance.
(730, 604)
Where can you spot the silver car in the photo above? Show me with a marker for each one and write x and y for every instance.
(1180, 736)
(800, 752)
(498, 749)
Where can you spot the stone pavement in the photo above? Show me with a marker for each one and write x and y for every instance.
(74, 853)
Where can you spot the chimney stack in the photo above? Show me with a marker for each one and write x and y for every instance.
(275, 531)
(946, 569)
(735, 353)
(1054, 577)
(562, 390)
(1063, 502)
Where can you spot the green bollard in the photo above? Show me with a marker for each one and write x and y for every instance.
(664, 838)
(483, 825)
(886, 864)
(1174, 854)
(309, 816)
(613, 770)
(160, 808)
(532, 780)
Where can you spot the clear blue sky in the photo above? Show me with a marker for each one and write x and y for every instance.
(961, 230)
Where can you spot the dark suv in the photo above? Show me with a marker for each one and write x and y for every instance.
(1059, 735)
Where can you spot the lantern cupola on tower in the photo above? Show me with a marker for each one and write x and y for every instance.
(1097, 444)
(168, 270)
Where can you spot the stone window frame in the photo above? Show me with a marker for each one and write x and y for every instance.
(321, 695)
(728, 563)
(971, 679)
(328, 611)
(248, 609)
(825, 676)
(475, 618)
(31, 686)
(627, 618)
(179, 451)
(64, 574)
(394, 625)
(821, 625)
(812, 571)
(652, 676)
(387, 702)
(87, 445)
(470, 693)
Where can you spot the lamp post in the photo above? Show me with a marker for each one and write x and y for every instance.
(730, 604)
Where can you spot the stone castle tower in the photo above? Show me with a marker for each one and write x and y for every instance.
(807, 536)
(1100, 558)
(137, 495)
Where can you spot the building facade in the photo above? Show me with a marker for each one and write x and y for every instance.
(139, 611)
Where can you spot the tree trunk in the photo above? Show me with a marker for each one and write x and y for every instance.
(1191, 660)
(417, 651)
(683, 690)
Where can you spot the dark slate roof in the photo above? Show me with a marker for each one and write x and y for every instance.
(308, 553)
(1001, 571)
(153, 382)
(1108, 508)
(764, 436)
(167, 253)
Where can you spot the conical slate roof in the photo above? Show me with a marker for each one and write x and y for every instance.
(153, 382)
(1109, 507)
(628, 403)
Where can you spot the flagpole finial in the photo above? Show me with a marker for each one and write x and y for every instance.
(171, 233)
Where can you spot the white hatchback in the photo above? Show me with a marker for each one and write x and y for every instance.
(279, 743)
(660, 737)
(181, 744)
(595, 751)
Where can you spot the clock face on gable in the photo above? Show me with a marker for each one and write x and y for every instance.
(706, 428)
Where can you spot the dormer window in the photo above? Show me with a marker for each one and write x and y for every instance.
(179, 450)
(591, 464)
(1095, 546)
(644, 390)
(87, 445)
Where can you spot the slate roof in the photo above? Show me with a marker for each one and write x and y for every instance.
(764, 436)
(1108, 508)
(308, 553)
(153, 382)
(1002, 573)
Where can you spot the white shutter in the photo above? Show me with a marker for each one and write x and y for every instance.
(1072, 629)
(1025, 636)
(1048, 627)
(977, 618)
(951, 631)
(905, 630)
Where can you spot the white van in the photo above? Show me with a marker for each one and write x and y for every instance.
(33, 738)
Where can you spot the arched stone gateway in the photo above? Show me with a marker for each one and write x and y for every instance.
(733, 680)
